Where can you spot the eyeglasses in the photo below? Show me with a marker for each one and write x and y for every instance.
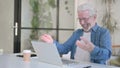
(84, 19)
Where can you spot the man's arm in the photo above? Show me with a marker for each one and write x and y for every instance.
(66, 47)
(102, 52)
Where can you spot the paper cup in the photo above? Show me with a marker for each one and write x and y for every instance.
(26, 55)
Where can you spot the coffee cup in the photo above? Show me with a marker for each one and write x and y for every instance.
(26, 55)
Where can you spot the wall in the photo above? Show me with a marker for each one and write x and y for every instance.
(6, 25)
(66, 18)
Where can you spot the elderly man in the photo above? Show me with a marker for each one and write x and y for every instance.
(92, 43)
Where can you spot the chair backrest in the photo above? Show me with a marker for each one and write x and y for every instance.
(116, 50)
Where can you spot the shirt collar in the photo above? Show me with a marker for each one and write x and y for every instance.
(94, 28)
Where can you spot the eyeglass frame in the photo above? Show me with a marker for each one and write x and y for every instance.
(85, 19)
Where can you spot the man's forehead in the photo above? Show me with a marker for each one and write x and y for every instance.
(84, 13)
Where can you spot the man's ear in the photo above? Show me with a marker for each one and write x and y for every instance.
(95, 16)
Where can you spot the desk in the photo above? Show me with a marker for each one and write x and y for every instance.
(11, 61)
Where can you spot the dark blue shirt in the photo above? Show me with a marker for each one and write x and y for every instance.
(100, 37)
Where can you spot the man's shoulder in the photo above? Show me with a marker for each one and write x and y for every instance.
(103, 29)
(78, 31)
(99, 28)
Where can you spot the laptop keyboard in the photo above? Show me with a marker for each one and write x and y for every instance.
(69, 62)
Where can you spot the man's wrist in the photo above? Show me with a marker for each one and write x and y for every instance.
(92, 47)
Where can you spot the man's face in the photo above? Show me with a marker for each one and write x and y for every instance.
(85, 20)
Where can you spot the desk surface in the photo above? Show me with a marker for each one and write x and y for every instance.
(11, 61)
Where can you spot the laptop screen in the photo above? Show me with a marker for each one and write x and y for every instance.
(47, 53)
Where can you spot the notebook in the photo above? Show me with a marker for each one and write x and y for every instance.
(48, 53)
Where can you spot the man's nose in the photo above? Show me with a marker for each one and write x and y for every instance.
(82, 21)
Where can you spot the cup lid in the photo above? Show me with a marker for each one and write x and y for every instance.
(26, 51)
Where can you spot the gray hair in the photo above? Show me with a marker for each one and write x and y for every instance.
(88, 7)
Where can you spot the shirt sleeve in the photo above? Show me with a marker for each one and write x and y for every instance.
(66, 47)
(102, 52)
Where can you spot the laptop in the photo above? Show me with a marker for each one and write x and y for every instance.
(48, 53)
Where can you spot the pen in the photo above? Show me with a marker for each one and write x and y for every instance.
(87, 67)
